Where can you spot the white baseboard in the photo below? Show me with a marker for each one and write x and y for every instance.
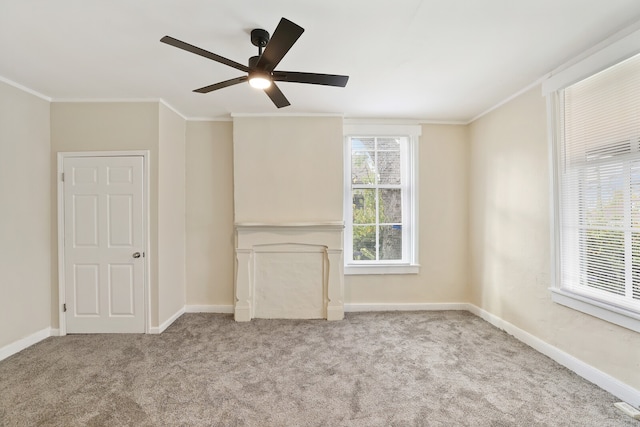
(21, 344)
(226, 309)
(586, 371)
(357, 307)
(164, 325)
(190, 309)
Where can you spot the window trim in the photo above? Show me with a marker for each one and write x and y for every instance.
(619, 48)
(600, 309)
(411, 266)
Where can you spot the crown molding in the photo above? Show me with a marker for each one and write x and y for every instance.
(172, 108)
(210, 119)
(510, 98)
(241, 115)
(25, 89)
(105, 100)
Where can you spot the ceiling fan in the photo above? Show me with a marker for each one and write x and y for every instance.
(261, 72)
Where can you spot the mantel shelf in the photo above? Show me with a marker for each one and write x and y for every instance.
(292, 226)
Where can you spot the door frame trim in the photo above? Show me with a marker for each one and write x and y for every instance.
(145, 154)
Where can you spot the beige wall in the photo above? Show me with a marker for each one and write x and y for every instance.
(510, 240)
(171, 214)
(111, 126)
(287, 169)
(443, 182)
(443, 186)
(209, 212)
(25, 232)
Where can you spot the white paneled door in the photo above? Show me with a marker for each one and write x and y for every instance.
(104, 244)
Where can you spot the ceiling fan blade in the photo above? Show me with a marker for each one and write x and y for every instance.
(285, 35)
(193, 49)
(220, 85)
(311, 78)
(277, 96)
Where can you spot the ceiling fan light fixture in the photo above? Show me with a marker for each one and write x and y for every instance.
(259, 81)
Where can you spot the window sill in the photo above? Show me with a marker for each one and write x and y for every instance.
(353, 269)
(610, 313)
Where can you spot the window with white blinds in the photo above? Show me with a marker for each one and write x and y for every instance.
(598, 186)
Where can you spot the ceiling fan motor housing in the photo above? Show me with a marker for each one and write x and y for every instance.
(253, 61)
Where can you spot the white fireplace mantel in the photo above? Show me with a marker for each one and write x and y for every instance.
(289, 270)
(291, 226)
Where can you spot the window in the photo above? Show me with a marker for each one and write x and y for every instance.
(380, 199)
(596, 146)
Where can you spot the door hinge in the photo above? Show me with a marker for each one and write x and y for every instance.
(62, 176)
(64, 307)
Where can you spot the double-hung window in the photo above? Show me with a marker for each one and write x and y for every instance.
(380, 199)
(596, 136)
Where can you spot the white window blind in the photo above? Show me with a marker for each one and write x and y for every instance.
(599, 186)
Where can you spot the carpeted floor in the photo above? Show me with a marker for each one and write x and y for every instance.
(372, 369)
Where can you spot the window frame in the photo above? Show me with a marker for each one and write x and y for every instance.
(409, 185)
(620, 47)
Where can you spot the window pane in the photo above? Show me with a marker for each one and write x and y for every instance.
(635, 223)
(364, 206)
(603, 196)
(364, 242)
(635, 194)
(363, 144)
(390, 205)
(363, 167)
(603, 260)
(389, 144)
(389, 167)
(635, 260)
(391, 242)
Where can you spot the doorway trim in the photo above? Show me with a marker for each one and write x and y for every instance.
(145, 154)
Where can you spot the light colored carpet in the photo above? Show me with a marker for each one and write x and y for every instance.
(372, 369)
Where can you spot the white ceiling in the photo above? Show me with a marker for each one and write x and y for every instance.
(440, 60)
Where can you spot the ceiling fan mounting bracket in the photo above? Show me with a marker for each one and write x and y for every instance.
(259, 37)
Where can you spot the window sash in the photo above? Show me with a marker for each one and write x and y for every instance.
(406, 207)
(595, 276)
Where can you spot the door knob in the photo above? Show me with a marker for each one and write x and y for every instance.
(136, 255)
